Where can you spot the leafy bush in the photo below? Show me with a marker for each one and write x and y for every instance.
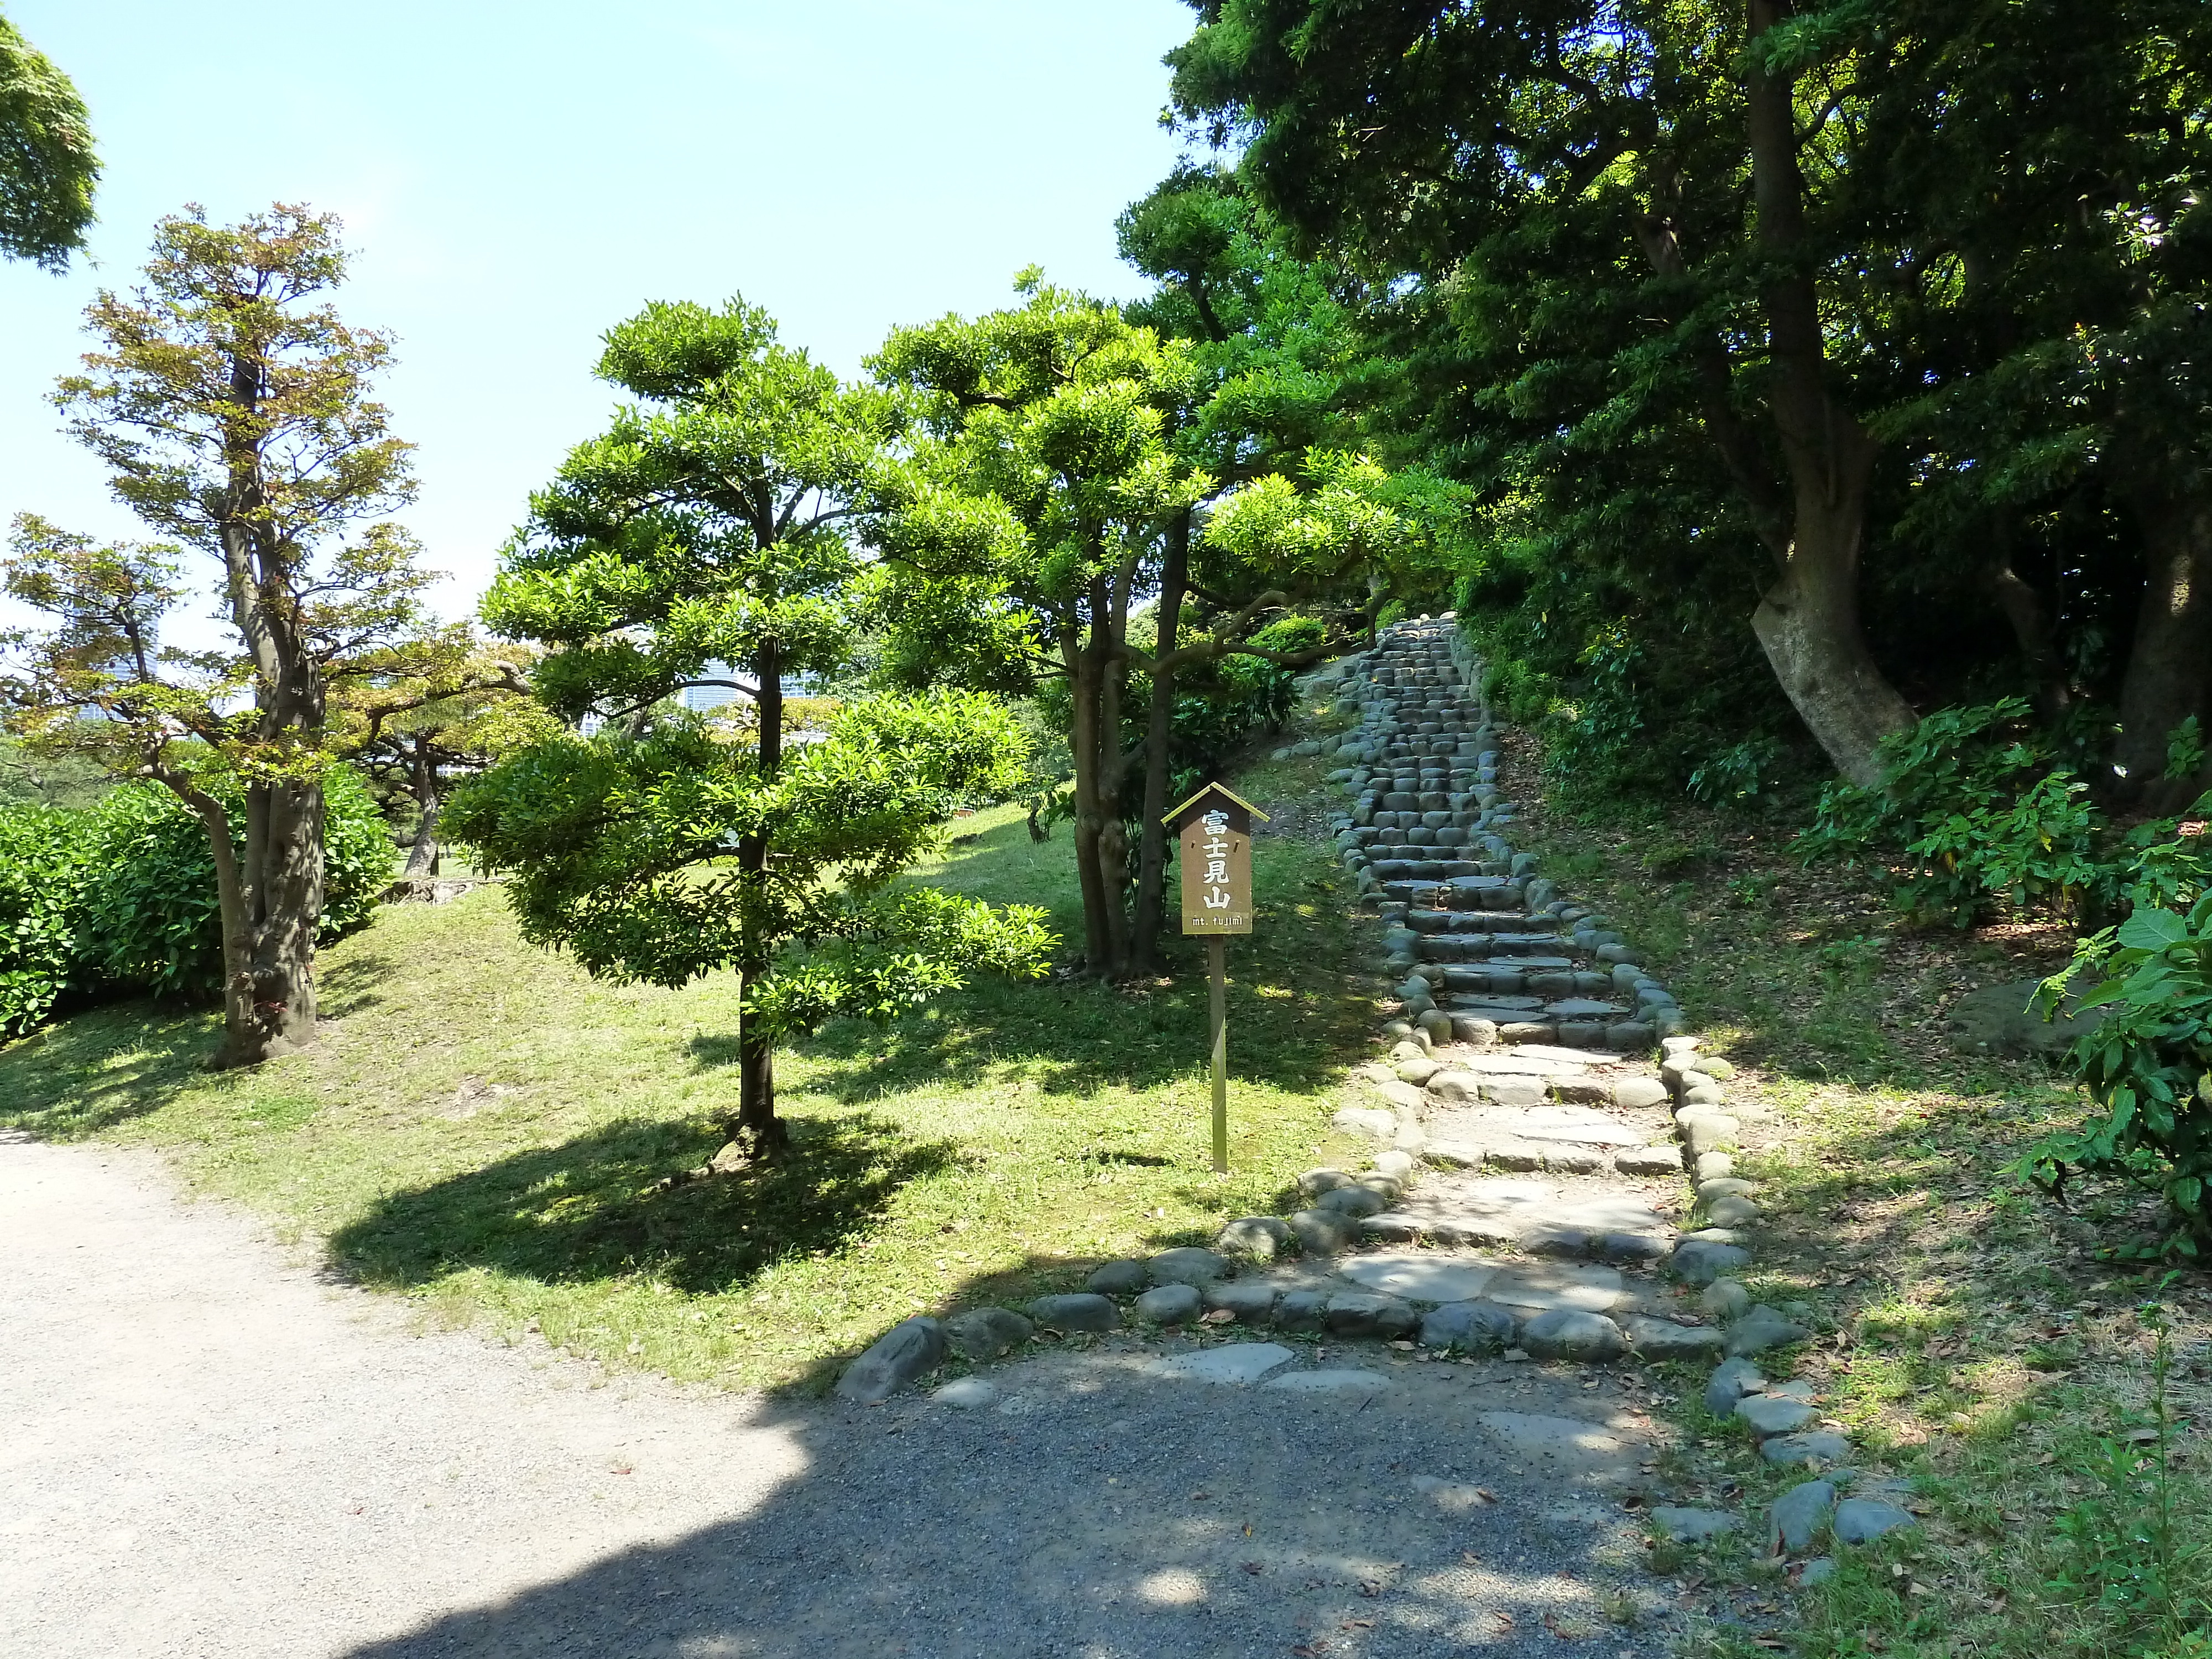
(2148, 1066)
(1974, 806)
(153, 918)
(1746, 775)
(44, 862)
(122, 895)
(1223, 706)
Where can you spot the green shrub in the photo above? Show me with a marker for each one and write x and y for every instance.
(153, 919)
(1746, 775)
(2147, 1065)
(121, 895)
(1223, 706)
(1974, 807)
(44, 863)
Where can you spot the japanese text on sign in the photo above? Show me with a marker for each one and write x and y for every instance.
(1217, 877)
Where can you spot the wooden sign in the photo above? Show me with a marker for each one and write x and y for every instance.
(1215, 847)
(1215, 851)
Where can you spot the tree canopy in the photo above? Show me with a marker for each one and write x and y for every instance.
(48, 167)
(1734, 307)
(705, 540)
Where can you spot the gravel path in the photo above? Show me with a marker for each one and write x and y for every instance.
(207, 1450)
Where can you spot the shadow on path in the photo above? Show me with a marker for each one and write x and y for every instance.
(1096, 1510)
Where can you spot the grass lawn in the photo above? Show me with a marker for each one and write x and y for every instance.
(1974, 1335)
(483, 1127)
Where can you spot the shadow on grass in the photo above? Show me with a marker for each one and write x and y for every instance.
(104, 1066)
(1288, 1027)
(592, 1208)
(351, 985)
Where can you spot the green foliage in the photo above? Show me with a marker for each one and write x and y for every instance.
(44, 863)
(2148, 1064)
(1974, 807)
(2184, 750)
(623, 851)
(1743, 775)
(47, 165)
(1223, 706)
(121, 896)
(2121, 1552)
(156, 919)
(151, 918)
(1572, 229)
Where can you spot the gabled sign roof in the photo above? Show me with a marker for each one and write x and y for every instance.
(1173, 813)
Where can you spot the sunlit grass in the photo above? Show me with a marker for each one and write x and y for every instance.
(484, 1127)
(1972, 1335)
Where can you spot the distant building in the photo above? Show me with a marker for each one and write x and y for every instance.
(704, 699)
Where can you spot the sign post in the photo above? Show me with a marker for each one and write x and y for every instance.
(1214, 847)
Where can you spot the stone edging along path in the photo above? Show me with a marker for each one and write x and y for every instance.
(1529, 1152)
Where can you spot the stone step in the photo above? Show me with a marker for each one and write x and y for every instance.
(1567, 1124)
(1537, 1216)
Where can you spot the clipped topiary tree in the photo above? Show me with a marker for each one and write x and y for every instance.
(701, 542)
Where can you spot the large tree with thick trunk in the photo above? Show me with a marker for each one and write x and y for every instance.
(704, 541)
(2055, 161)
(1925, 278)
(1513, 147)
(231, 404)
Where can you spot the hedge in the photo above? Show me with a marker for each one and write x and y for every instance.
(120, 896)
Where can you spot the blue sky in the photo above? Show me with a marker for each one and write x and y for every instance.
(515, 177)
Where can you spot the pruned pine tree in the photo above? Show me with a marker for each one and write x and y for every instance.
(231, 404)
(704, 541)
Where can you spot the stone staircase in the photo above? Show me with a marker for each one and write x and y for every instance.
(1491, 952)
(1545, 1185)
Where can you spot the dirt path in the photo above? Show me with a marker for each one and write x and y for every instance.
(208, 1451)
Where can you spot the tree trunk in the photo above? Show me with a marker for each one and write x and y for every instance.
(423, 856)
(1108, 632)
(1809, 621)
(2029, 619)
(231, 905)
(756, 1135)
(268, 977)
(1085, 673)
(1808, 624)
(1151, 919)
(2169, 674)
